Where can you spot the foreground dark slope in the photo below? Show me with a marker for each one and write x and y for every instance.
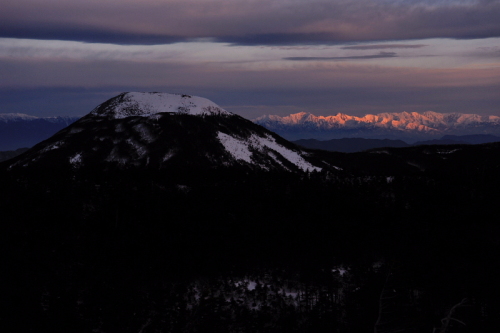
(166, 247)
(165, 142)
(352, 145)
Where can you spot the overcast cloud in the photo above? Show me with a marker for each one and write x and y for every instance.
(247, 22)
(253, 56)
(384, 46)
(363, 57)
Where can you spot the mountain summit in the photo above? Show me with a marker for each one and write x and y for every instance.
(165, 131)
(147, 104)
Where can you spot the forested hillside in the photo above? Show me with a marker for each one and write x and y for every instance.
(240, 250)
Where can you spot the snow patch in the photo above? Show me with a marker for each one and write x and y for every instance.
(240, 149)
(53, 146)
(333, 166)
(183, 188)
(76, 159)
(144, 133)
(247, 284)
(75, 130)
(290, 155)
(415, 165)
(448, 151)
(275, 158)
(251, 285)
(237, 148)
(168, 156)
(380, 152)
(341, 270)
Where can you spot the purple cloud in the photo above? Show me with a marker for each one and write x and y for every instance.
(383, 46)
(258, 22)
(371, 56)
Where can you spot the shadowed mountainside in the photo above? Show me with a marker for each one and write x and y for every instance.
(213, 239)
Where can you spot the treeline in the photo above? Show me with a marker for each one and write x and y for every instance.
(120, 250)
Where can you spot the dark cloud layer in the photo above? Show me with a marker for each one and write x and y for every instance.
(371, 56)
(281, 39)
(256, 22)
(86, 34)
(383, 46)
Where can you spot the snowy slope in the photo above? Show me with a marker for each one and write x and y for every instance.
(242, 150)
(147, 104)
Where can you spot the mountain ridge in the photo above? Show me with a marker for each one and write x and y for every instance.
(352, 145)
(412, 126)
(18, 130)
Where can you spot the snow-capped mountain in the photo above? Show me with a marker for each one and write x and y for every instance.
(20, 117)
(165, 131)
(15, 117)
(148, 104)
(19, 130)
(405, 125)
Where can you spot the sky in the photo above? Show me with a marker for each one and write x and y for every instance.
(253, 57)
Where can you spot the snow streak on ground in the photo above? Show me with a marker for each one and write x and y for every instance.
(168, 156)
(53, 146)
(75, 160)
(448, 151)
(237, 148)
(241, 150)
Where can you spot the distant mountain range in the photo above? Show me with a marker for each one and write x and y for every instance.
(7, 155)
(352, 145)
(410, 127)
(19, 130)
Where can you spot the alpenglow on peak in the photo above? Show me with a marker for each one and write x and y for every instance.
(145, 104)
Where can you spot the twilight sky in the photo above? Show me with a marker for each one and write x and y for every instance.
(253, 57)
